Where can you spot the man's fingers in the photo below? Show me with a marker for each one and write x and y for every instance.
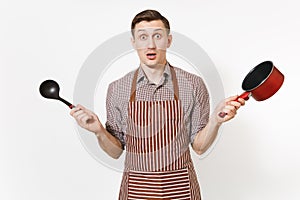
(77, 113)
(77, 108)
(232, 98)
(82, 115)
(236, 104)
(80, 106)
(74, 110)
(230, 108)
(86, 119)
(242, 101)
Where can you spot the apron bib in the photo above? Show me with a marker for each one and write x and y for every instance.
(158, 164)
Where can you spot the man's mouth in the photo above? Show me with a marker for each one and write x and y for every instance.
(151, 56)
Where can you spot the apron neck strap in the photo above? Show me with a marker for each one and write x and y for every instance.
(174, 81)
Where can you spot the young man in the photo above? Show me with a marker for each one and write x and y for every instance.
(154, 113)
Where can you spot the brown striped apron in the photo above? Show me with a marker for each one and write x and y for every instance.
(158, 164)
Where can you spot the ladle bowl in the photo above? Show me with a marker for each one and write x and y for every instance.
(50, 90)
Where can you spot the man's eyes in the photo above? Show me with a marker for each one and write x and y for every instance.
(143, 37)
(155, 36)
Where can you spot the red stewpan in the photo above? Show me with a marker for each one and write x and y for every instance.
(262, 82)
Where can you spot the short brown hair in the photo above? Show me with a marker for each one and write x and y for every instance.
(149, 15)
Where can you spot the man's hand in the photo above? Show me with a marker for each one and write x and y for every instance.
(86, 118)
(229, 106)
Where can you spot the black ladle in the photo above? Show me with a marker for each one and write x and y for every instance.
(50, 90)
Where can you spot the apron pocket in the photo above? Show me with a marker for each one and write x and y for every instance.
(159, 185)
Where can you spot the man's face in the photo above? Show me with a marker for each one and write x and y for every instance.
(151, 40)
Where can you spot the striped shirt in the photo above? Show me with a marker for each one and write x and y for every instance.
(192, 93)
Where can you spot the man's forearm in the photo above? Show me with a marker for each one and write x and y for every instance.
(110, 144)
(205, 138)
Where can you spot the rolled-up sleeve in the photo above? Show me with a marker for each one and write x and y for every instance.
(201, 109)
(114, 115)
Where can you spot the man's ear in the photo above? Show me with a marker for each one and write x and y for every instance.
(170, 38)
(133, 42)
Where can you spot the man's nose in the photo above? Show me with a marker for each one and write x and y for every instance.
(151, 44)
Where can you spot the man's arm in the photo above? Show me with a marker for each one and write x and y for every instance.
(90, 121)
(205, 138)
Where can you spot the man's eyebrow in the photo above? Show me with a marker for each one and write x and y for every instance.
(139, 30)
(157, 29)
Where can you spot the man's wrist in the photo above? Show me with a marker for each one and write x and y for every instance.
(97, 134)
(100, 131)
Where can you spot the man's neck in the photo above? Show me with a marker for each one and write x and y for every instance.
(154, 74)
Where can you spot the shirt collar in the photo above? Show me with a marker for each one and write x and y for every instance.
(142, 78)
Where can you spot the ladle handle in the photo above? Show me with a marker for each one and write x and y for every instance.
(244, 96)
(66, 102)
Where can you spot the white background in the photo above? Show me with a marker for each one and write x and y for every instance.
(257, 156)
